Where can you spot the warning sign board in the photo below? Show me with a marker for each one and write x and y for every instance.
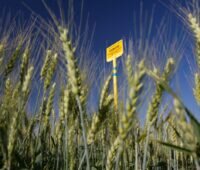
(114, 51)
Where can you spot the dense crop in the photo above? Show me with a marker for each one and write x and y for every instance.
(44, 108)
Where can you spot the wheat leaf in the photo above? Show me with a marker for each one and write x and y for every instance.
(175, 147)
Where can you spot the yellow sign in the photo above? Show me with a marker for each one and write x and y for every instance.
(114, 51)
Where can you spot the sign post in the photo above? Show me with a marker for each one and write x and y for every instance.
(112, 53)
(115, 83)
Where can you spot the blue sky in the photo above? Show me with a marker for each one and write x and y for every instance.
(112, 20)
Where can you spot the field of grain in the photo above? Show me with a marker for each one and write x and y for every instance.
(45, 114)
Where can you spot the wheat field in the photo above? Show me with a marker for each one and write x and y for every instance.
(48, 122)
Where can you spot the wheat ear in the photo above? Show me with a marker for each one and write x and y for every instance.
(128, 118)
(104, 103)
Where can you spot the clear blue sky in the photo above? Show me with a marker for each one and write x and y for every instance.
(113, 20)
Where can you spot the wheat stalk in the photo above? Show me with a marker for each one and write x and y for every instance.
(128, 118)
